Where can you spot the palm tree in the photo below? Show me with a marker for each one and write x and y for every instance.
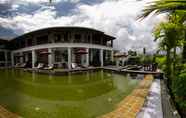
(165, 34)
(163, 6)
(177, 7)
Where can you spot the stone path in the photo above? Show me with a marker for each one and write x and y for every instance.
(132, 104)
(153, 106)
(4, 113)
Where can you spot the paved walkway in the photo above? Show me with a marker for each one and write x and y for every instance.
(153, 106)
(4, 113)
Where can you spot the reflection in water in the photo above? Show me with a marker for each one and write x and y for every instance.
(69, 78)
(87, 76)
(69, 96)
(50, 77)
(101, 74)
(33, 76)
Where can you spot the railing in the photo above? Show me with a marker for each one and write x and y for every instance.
(107, 44)
(168, 107)
(58, 45)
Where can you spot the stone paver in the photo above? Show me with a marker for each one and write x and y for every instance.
(132, 104)
(4, 113)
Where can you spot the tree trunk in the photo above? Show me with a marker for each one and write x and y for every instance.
(174, 62)
(168, 67)
(184, 50)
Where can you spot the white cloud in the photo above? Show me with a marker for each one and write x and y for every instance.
(36, 1)
(115, 17)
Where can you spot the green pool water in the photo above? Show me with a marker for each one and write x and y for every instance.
(85, 95)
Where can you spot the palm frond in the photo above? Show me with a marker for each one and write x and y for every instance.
(163, 6)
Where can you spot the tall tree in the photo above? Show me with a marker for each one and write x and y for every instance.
(171, 7)
(165, 34)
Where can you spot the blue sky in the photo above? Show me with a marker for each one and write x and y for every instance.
(114, 17)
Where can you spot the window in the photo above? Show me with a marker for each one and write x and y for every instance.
(2, 56)
(42, 39)
(77, 38)
(61, 56)
(29, 42)
(57, 38)
(66, 37)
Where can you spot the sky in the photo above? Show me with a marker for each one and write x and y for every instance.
(114, 17)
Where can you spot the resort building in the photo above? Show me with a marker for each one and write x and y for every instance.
(61, 47)
(5, 58)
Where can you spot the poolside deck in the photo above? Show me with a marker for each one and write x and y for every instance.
(79, 70)
(119, 69)
(4, 113)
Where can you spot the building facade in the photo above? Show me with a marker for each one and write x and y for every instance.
(5, 54)
(62, 46)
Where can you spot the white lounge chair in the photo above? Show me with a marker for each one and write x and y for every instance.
(22, 65)
(74, 65)
(40, 65)
(50, 67)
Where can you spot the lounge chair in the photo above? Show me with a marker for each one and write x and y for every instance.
(17, 65)
(49, 67)
(22, 65)
(40, 66)
(74, 65)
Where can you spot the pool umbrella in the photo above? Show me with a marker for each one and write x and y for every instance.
(118, 55)
(44, 52)
(81, 51)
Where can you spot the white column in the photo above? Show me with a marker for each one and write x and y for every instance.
(21, 58)
(6, 58)
(26, 57)
(33, 58)
(117, 62)
(69, 58)
(101, 57)
(50, 56)
(91, 55)
(12, 59)
(112, 55)
(87, 57)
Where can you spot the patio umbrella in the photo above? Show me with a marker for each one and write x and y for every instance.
(81, 51)
(118, 55)
(45, 52)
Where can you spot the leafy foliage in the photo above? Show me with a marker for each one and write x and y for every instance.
(171, 34)
(179, 88)
(161, 60)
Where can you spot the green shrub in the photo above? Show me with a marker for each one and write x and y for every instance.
(181, 68)
(161, 60)
(179, 89)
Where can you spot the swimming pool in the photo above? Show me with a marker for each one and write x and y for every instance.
(85, 95)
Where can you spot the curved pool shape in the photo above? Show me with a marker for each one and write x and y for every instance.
(85, 95)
